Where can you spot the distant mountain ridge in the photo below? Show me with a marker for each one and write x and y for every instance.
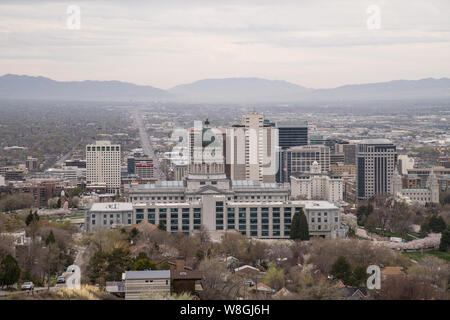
(239, 90)
(227, 90)
(26, 87)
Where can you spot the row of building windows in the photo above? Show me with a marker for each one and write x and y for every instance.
(103, 148)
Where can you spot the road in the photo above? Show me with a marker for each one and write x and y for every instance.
(66, 156)
(37, 289)
(146, 146)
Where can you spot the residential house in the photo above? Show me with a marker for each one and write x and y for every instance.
(184, 279)
(138, 283)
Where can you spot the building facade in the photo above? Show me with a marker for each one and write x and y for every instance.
(415, 193)
(340, 169)
(300, 159)
(251, 149)
(32, 164)
(139, 283)
(143, 168)
(349, 153)
(290, 134)
(255, 209)
(108, 215)
(317, 186)
(405, 163)
(424, 173)
(377, 160)
(103, 165)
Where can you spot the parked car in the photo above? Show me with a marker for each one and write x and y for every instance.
(28, 285)
(250, 283)
(61, 279)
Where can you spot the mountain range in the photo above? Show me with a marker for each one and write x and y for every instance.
(227, 90)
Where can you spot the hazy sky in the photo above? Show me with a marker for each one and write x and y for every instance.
(314, 43)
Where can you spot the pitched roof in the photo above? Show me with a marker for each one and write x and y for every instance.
(261, 287)
(246, 267)
(283, 292)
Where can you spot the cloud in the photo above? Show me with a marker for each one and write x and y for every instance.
(182, 41)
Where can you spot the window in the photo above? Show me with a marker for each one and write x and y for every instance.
(287, 215)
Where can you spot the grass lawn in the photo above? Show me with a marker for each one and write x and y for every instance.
(417, 255)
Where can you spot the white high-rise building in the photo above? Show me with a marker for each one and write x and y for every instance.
(405, 163)
(103, 165)
(376, 161)
(252, 149)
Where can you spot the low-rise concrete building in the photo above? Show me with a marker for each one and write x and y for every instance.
(109, 214)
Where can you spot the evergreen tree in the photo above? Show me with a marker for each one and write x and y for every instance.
(299, 227)
(341, 269)
(437, 224)
(304, 229)
(50, 238)
(445, 240)
(358, 277)
(29, 218)
(9, 271)
(295, 227)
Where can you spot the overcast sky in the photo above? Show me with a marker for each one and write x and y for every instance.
(314, 43)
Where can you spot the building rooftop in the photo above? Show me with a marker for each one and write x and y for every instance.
(392, 271)
(156, 185)
(316, 147)
(166, 204)
(265, 203)
(292, 124)
(376, 141)
(255, 184)
(112, 206)
(314, 204)
(147, 274)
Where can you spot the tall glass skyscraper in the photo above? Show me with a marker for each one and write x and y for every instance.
(290, 134)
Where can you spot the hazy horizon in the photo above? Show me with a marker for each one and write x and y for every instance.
(313, 44)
